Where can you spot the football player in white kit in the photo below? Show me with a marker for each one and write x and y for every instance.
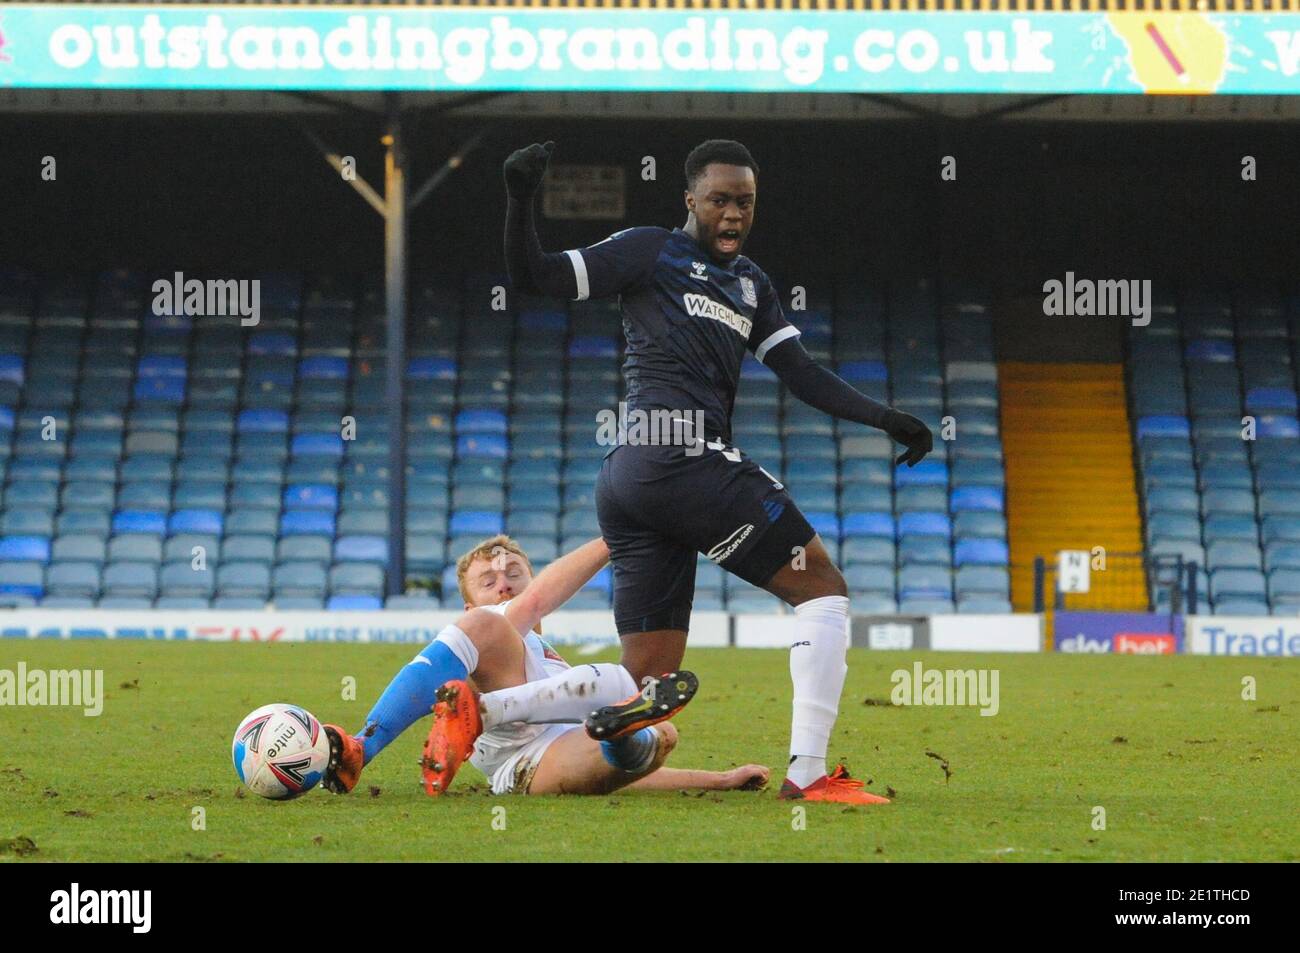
(512, 706)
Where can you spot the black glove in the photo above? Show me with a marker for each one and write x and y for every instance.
(525, 168)
(911, 433)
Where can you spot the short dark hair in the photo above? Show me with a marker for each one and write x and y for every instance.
(725, 151)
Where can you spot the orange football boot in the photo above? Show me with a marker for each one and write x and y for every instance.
(347, 758)
(457, 724)
(837, 787)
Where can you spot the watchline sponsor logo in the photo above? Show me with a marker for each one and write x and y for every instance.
(1084, 297)
(702, 306)
(651, 428)
(213, 298)
(55, 688)
(947, 687)
(77, 906)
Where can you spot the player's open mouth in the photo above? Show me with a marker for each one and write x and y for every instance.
(729, 240)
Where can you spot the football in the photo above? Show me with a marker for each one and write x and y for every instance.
(280, 751)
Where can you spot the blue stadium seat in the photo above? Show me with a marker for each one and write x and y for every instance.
(328, 445)
(1271, 400)
(1278, 503)
(181, 579)
(929, 472)
(1207, 349)
(304, 549)
(262, 420)
(874, 578)
(825, 524)
(1232, 554)
(982, 579)
(323, 368)
(195, 521)
(1173, 500)
(977, 498)
(311, 496)
(924, 524)
(73, 579)
(354, 602)
(244, 579)
(307, 523)
(1163, 425)
(373, 549)
(255, 495)
(1237, 583)
(492, 446)
(980, 551)
(299, 579)
(131, 579)
(22, 579)
(478, 522)
(1282, 556)
(356, 578)
(1228, 501)
(924, 549)
(1277, 425)
(25, 548)
(140, 521)
(431, 369)
(983, 605)
(979, 523)
(272, 342)
(924, 582)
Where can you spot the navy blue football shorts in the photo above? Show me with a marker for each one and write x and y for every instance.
(658, 506)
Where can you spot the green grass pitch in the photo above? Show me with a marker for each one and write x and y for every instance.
(1184, 768)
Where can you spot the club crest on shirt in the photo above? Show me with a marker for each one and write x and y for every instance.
(747, 291)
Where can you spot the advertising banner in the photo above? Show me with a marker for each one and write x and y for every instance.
(583, 630)
(1239, 635)
(1127, 633)
(216, 46)
(1022, 632)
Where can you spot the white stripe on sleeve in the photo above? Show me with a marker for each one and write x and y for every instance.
(579, 274)
(775, 338)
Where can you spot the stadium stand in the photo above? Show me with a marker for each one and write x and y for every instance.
(1214, 408)
(187, 462)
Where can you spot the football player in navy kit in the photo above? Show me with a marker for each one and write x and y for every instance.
(692, 305)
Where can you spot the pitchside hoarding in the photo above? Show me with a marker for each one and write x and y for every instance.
(214, 46)
(1237, 635)
(577, 630)
(1126, 633)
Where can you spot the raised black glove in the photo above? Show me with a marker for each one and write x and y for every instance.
(911, 433)
(525, 168)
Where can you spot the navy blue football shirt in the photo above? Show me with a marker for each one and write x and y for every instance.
(688, 320)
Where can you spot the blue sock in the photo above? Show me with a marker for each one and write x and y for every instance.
(409, 696)
(632, 752)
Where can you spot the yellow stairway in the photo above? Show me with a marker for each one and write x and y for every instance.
(1069, 464)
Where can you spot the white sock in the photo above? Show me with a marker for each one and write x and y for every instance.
(461, 645)
(817, 668)
(567, 697)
